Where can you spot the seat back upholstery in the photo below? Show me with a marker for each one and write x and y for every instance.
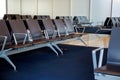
(113, 58)
(114, 22)
(59, 17)
(37, 17)
(26, 17)
(34, 28)
(17, 26)
(5, 32)
(40, 17)
(84, 19)
(49, 26)
(18, 16)
(11, 16)
(45, 17)
(61, 28)
(118, 22)
(70, 27)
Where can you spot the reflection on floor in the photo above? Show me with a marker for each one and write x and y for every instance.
(94, 40)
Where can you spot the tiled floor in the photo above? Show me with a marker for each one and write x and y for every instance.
(94, 40)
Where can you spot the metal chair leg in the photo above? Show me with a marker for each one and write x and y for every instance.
(51, 47)
(55, 45)
(8, 60)
(82, 41)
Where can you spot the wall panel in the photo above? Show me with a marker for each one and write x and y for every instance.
(45, 7)
(61, 8)
(116, 8)
(100, 9)
(28, 7)
(2, 8)
(80, 7)
(13, 7)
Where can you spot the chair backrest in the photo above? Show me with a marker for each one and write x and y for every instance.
(75, 20)
(69, 17)
(17, 26)
(84, 19)
(40, 17)
(46, 17)
(114, 22)
(11, 16)
(61, 28)
(37, 17)
(106, 21)
(26, 17)
(117, 22)
(113, 59)
(34, 28)
(18, 16)
(5, 32)
(70, 27)
(59, 17)
(49, 26)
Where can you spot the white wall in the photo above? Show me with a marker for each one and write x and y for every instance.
(100, 9)
(116, 8)
(61, 8)
(45, 7)
(28, 7)
(2, 8)
(13, 6)
(80, 7)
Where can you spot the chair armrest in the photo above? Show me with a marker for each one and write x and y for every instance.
(66, 28)
(4, 41)
(46, 34)
(94, 58)
(54, 34)
(15, 38)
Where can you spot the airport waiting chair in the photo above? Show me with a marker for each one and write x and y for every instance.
(61, 28)
(71, 31)
(6, 43)
(18, 31)
(81, 23)
(64, 17)
(82, 20)
(107, 26)
(50, 32)
(38, 35)
(112, 66)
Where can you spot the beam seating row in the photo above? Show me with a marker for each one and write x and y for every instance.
(18, 36)
(18, 16)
